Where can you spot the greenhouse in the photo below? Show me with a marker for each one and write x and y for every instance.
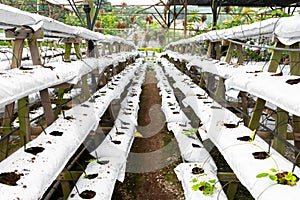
(149, 100)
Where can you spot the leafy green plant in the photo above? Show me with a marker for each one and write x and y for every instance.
(191, 132)
(284, 178)
(207, 187)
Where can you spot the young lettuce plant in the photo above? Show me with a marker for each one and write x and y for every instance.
(207, 187)
(284, 178)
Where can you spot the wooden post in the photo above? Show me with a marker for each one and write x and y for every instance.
(218, 50)
(243, 96)
(209, 49)
(24, 120)
(229, 52)
(17, 50)
(281, 129)
(67, 55)
(110, 49)
(231, 190)
(240, 54)
(260, 103)
(103, 49)
(44, 94)
(7, 119)
(220, 91)
(295, 70)
(60, 95)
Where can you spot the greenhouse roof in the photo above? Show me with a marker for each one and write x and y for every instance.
(250, 3)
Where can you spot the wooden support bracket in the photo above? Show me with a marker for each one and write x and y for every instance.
(281, 129)
(24, 121)
(7, 119)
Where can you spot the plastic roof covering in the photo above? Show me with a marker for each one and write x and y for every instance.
(249, 3)
(14, 18)
(286, 29)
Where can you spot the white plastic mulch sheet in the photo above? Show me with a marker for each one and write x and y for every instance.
(238, 154)
(113, 151)
(17, 83)
(273, 89)
(286, 29)
(192, 150)
(185, 175)
(39, 171)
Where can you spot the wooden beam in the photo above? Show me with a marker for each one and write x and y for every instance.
(275, 58)
(46, 103)
(281, 129)
(7, 119)
(256, 114)
(18, 46)
(295, 70)
(229, 52)
(24, 120)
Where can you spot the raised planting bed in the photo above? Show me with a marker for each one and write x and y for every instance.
(111, 155)
(240, 147)
(70, 129)
(200, 167)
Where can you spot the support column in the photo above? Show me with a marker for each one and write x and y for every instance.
(295, 70)
(6, 128)
(260, 103)
(281, 129)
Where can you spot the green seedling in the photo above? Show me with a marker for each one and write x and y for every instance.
(284, 178)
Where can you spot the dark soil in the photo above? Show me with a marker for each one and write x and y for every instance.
(56, 133)
(87, 194)
(261, 155)
(244, 138)
(10, 178)
(34, 150)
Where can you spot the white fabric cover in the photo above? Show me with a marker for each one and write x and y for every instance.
(116, 154)
(41, 170)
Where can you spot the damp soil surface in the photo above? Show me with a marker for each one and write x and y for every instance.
(159, 183)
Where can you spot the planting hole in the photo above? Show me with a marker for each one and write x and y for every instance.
(103, 162)
(9, 178)
(116, 141)
(35, 150)
(87, 194)
(196, 145)
(227, 125)
(244, 138)
(56, 133)
(197, 170)
(261, 155)
(90, 176)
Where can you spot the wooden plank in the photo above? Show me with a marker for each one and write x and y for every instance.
(46, 103)
(220, 91)
(243, 96)
(295, 70)
(68, 47)
(34, 51)
(77, 50)
(239, 50)
(256, 114)
(60, 95)
(275, 58)
(260, 103)
(24, 120)
(227, 177)
(218, 50)
(281, 129)
(229, 52)
(7, 119)
(231, 190)
(209, 49)
(18, 46)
